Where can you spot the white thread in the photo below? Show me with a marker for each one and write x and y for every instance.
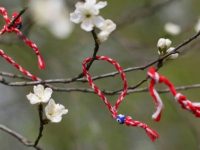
(196, 104)
(156, 77)
(159, 106)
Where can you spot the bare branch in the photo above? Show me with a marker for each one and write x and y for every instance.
(42, 123)
(130, 90)
(19, 137)
(11, 75)
(80, 79)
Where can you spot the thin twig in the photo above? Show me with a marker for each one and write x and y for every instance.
(19, 137)
(130, 90)
(11, 75)
(96, 49)
(40, 111)
(79, 79)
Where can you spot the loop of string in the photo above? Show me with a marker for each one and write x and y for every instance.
(15, 28)
(122, 119)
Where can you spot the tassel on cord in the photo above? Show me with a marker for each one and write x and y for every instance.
(122, 119)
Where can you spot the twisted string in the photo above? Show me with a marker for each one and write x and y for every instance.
(20, 68)
(181, 99)
(15, 28)
(122, 119)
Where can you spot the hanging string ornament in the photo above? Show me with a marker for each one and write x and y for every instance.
(13, 25)
(122, 119)
(181, 99)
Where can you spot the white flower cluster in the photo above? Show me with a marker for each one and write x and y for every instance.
(52, 14)
(53, 111)
(87, 13)
(164, 48)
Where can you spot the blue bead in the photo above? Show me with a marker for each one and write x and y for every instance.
(121, 118)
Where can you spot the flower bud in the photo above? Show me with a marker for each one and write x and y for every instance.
(172, 56)
(163, 44)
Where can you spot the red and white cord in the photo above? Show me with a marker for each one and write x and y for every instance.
(122, 119)
(181, 99)
(20, 68)
(14, 28)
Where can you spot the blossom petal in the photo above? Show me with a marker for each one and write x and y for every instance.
(50, 106)
(55, 111)
(61, 109)
(108, 26)
(87, 25)
(98, 21)
(38, 90)
(56, 119)
(91, 2)
(79, 5)
(47, 94)
(103, 36)
(33, 98)
(101, 5)
(76, 17)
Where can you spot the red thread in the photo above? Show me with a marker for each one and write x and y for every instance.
(127, 120)
(14, 28)
(181, 99)
(20, 68)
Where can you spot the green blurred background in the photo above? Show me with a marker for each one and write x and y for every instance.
(88, 125)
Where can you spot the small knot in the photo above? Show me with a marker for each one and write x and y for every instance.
(16, 21)
(153, 74)
(121, 118)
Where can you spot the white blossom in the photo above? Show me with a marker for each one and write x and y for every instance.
(107, 28)
(87, 13)
(52, 14)
(172, 28)
(55, 111)
(164, 43)
(197, 26)
(172, 56)
(40, 95)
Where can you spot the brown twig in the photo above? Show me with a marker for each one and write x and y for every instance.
(130, 90)
(14, 76)
(96, 49)
(19, 137)
(40, 111)
(80, 79)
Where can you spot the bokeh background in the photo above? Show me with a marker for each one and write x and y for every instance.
(88, 125)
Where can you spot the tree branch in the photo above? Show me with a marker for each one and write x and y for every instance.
(19, 137)
(40, 111)
(79, 77)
